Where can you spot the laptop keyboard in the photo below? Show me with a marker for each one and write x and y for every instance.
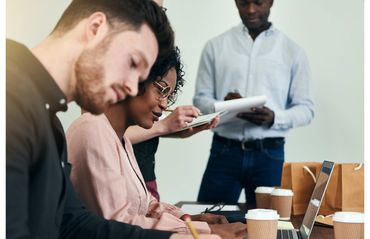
(287, 234)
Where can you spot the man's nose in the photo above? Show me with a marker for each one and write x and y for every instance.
(251, 8)
(130, 87)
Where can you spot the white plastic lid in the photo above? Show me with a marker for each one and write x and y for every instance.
(264, 189)
(262, 214)
(349, 217)
(282, 192)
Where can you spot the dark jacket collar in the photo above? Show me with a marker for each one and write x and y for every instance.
(20, 55)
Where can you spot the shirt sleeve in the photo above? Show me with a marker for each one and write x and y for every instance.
(300, 106)
(204, 97)
(19, 133)
(99, 181)
(78, 222)
(169, 215)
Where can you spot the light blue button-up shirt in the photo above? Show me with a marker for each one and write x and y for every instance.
(272, 65)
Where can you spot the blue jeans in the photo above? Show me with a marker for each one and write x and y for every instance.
(231, 168)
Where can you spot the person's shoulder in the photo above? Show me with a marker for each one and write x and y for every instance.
(18, 79)
(21, 91)
(87, 123)
(287, 40)
(14, 49)
(225, 35)
(88, 120)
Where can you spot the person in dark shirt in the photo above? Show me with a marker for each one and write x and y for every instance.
(146, 141)
(145, 156)
(96, 55)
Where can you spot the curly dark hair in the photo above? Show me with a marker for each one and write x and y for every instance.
(162, 66)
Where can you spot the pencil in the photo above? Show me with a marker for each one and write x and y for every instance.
(191, 227)
(172, 110)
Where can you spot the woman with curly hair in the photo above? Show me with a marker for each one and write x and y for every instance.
(106, 175)
(145, 141)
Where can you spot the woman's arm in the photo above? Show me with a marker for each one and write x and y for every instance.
(171, 124)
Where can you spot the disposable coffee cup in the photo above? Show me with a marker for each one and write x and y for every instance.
(263, 197)
(281, 201)
(348, 225)
(262, 223)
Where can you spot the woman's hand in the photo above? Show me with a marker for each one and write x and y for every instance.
(191, 131)
(179, 118)
(209, 218)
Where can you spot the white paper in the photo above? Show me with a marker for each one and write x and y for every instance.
(193, 209)
(284, 225)
(233, 107)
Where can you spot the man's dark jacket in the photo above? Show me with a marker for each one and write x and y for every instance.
(40, 201)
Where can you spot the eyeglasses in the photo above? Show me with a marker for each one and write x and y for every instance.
(215, 208)
(165, 92)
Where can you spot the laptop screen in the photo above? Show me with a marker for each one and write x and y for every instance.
(316, 199)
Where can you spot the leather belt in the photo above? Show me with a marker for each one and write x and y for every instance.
(257, 144)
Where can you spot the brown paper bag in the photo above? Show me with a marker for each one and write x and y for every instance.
(300, 178)
(345, 191)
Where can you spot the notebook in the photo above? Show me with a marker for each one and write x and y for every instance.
(201, 120)
(235, 106)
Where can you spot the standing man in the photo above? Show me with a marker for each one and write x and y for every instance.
(96, 55)
(253, 58)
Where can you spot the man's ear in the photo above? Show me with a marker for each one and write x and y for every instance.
(272, 3)
(96, 26)
(159, 2)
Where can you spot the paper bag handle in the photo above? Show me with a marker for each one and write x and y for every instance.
(310, 173)
(358, 167)
(323, 217)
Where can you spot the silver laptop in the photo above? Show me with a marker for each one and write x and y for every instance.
(313, 207)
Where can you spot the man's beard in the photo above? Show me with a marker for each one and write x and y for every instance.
(90, 90)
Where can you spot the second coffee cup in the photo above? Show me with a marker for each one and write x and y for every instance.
(281, 201)
(263, 197)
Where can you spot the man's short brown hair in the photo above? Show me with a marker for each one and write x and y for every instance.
(132, 13)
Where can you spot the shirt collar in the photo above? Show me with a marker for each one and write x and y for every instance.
(54, 98)
(267, 32)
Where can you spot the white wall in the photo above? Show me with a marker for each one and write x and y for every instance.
(330, 31)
